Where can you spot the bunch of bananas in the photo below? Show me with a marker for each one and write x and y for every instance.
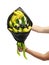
(18, 23)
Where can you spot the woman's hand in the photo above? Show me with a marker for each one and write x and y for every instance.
(38, 55)
(40, 29)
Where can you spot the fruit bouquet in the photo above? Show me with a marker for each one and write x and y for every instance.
(19, 24)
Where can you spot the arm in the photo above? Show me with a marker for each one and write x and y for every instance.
(38, 55)
(40, 29)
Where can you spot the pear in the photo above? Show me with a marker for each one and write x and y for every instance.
(15, 30)
(20, 30)
(10, 29)
(25, 30)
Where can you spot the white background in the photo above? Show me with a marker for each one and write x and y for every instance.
(38, 11)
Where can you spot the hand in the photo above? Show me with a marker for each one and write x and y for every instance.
(40, 29)
(37, 54)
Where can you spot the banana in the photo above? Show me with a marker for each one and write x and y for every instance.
(10, 23)
(10, 29)
(15, 30)
(20, 30)
(19, 14)
(16, 25)
(25, 30)
(29, 27)
(13, 19)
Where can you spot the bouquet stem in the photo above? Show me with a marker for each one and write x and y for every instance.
(21, 48)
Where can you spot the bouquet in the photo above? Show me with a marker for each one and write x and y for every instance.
(19, 24)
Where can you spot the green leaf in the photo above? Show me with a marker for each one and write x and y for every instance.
(21, 45)
(24, 48)
(17, 49)
(18, 52)
(17, 21)
(24, 54)
(23, 22)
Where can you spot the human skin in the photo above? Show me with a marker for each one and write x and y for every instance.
(38, 55)
(40, 29)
